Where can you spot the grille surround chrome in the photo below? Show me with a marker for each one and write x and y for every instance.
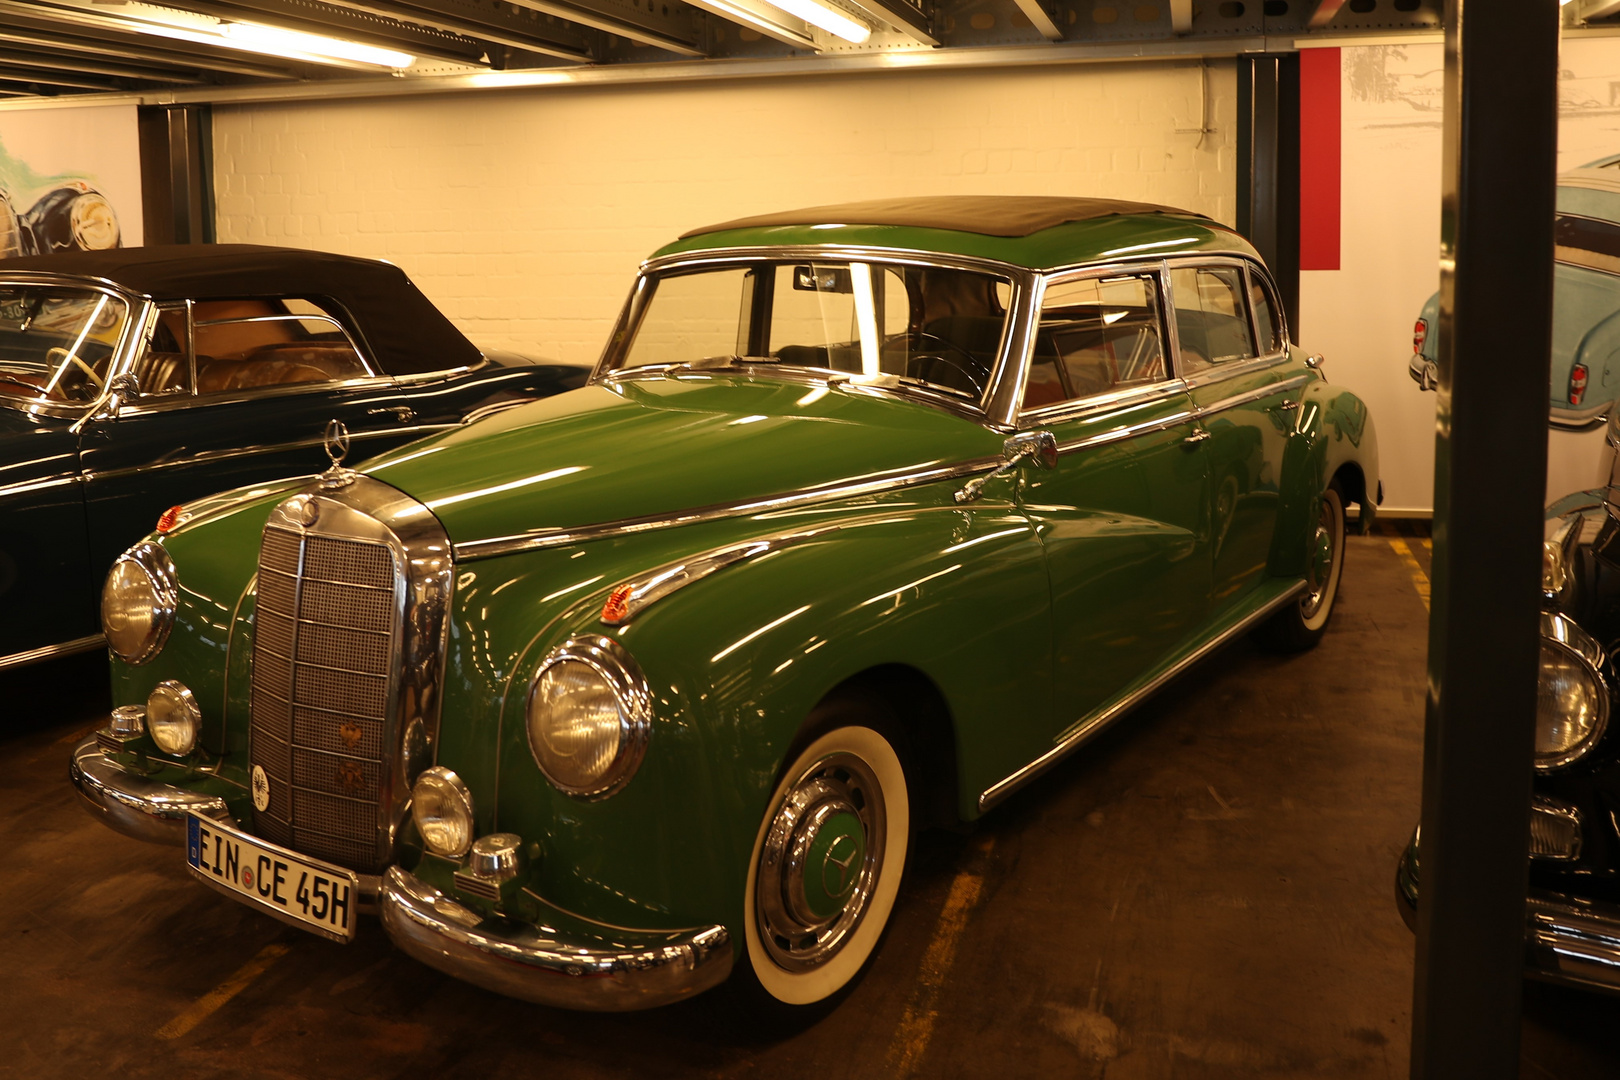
(347, 664)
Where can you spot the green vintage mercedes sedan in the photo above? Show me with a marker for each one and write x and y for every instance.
(867, 516)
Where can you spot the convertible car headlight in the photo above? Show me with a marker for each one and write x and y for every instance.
(1572, 700)
(138, 602)
(172, 717)
(589, 712)
(443, 810)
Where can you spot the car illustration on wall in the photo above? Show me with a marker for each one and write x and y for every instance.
(72, 216)
(868, 515)
(134, 379)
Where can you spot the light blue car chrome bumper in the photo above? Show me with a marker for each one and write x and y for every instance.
(133, 804)
(586, 966)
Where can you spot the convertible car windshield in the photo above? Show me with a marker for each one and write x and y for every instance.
(55, 342)
(934, 326)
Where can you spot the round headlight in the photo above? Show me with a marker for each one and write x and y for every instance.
(442, 808)
(138, 602)
(172, 718)
(95, 225)
(589, 711)
(1572, 700)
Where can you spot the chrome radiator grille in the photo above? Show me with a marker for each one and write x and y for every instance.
(324, 649)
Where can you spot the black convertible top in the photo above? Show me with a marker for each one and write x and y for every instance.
(991, 215)
(388, 315)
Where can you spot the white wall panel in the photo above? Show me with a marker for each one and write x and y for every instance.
(524, 215)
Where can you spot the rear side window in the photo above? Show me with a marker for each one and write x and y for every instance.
(1211, 318)
(1095, 335)
(248, 344)
(1265, 315)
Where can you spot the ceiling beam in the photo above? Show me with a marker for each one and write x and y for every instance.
(1181, 16)
(488, 23)
(30, 24)
(58, 61)
(618, 22)
(8, 73)
(1042, 21)
(905, 19)
(1325, 10)
(368, 28)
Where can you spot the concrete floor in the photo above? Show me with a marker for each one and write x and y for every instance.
(1204, 893)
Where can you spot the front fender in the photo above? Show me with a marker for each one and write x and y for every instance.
(1334, 437)
(736, 662)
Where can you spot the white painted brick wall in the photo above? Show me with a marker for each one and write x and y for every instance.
(524, 214)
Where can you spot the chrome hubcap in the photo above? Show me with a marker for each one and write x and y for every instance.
(819, 862)
(1321, 568)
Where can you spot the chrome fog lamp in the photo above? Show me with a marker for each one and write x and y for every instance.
(1572, 700)
(443, 810)
(588, 715)
(138, 602)
(173, 718)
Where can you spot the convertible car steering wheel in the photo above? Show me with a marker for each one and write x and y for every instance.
(925, 360)
(55, 353)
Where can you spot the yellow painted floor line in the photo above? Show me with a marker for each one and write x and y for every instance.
(1420, 580)
(917, 1022)
(209, 1003)
(1428, 543)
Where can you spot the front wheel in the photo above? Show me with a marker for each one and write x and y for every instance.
(1300, 625)
(827, 863)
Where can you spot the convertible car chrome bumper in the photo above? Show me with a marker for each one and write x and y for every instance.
(587, 966)
(1566, 939)
(133, 804)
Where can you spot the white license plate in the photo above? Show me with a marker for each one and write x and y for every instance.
(305, 892)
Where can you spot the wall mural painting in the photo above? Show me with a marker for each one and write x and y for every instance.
(69, 180)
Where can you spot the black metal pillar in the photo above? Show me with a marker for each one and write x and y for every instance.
(1489, 479)
(177, 166)
(1268, 168)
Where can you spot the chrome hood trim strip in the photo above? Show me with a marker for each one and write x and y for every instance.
(540, 539)
(49, 652)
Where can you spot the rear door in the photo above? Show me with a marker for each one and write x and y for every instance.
(1123, 515)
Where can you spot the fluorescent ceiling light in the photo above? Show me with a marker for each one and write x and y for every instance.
(257, 38)
(831, 19)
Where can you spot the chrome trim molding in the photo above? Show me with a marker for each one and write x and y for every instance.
(617, 971)
(1259, 392)
(51, 652)
(1120, 434)
(136, 805)
(1091, 726)
(1572, 941)
(539, 539)
(1565, 815)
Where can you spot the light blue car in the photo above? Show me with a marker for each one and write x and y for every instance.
(1585, 379)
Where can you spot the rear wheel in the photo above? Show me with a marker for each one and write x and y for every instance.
(827, 861)
(1300, 625)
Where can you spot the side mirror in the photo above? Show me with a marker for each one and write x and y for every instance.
(1039, 448)
(119, 390)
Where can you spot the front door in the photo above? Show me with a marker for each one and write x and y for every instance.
(1123, 515)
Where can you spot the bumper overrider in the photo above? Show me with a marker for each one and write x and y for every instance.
(1567, 940)
(564, 960)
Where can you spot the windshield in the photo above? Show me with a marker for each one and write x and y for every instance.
(56, 342)
(936, 327)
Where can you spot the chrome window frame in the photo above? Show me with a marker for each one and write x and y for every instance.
(117, 364)
(1228, 369)
(994, 408)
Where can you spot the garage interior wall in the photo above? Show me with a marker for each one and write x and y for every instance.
(523, 215)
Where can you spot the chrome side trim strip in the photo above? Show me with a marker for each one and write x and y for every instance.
(1572, 941)
(1256, 394)
(208, 456)
(50, 652)
(1119, 434)
(39, 485)
(539, 539)
(1091, 726)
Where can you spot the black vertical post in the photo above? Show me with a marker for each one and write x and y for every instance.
(1268, 168)
(177, 174)
(1489, 476)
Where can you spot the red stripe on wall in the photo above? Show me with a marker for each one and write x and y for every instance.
(1319, 159)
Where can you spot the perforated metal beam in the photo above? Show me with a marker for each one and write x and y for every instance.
(50, 28)
(1038, 18)
(616, 17)
(353, 25)
(489, 22)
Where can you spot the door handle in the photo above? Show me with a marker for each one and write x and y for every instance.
(403, 413)
(1196, 437)
(1287, 405)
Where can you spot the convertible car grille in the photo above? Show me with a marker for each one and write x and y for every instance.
(323, 653)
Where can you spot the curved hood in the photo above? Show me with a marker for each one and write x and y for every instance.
(645, 447)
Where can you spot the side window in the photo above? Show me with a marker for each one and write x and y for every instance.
(252, 344)
(1095, 335)
(164, 369)
(1265, 315)
(1211, 319)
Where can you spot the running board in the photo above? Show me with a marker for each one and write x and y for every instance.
(1266, 603)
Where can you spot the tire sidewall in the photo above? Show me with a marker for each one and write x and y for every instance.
(828, 979)
(1333, 499)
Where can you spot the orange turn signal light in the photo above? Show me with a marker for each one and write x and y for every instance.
(616, 608)
(170, 518)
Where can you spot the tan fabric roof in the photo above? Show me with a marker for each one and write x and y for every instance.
(991, 215)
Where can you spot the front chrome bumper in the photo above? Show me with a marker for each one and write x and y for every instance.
(586, 966)
(133, 804)
(1567, 940)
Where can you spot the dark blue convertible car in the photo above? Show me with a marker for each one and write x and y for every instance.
(136, 379)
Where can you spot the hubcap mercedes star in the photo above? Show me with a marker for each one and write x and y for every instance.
(1321, 569)
(820, 862)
